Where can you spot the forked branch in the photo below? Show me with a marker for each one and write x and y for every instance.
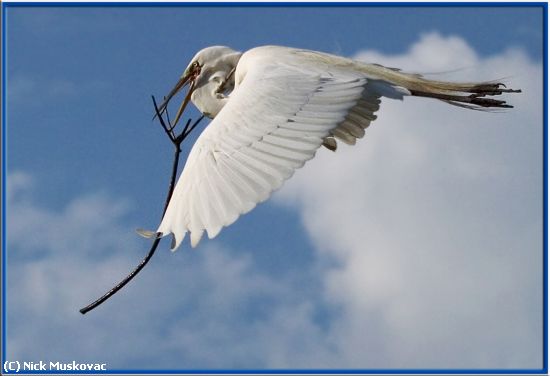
(176, 140)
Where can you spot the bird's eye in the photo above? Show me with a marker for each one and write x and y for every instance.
(196, 67)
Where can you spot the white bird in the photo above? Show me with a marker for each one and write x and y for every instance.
(272, 108)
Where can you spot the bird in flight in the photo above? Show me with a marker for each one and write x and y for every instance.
(272, 109)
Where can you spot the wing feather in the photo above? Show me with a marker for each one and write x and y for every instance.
(280, 112)
(293, 156)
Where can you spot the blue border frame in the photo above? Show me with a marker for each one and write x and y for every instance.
(4, 167)
(337, 371)
(542, 5)
(278, 4)
(545, 191)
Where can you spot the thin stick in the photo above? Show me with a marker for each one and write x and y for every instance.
(186, 132)
(122, 283)
(176, 140)
(169, 130)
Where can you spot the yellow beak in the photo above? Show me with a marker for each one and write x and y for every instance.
(184, 80)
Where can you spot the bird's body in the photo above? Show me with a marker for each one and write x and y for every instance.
(272, 108)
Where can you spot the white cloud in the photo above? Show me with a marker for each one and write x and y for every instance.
(20, 87)
(430, 226)
(435, 219)
(207, 309)
(23, 90)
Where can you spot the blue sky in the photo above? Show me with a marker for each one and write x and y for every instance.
(292, 284)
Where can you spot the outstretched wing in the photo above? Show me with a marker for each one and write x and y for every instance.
(284, 108)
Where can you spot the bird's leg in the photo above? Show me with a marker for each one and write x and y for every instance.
(473, 97)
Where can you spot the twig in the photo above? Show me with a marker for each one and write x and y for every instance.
(177, 141)
(169, 130)
(122, 283)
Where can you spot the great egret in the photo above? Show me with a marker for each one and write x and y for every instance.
(272, 108)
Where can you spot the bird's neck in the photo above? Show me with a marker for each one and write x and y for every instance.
(213, 90)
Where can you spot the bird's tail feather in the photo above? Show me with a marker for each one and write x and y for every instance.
(473, 95)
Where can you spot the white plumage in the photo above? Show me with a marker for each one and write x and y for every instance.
(272, 108)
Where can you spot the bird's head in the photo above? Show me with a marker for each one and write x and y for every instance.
(210, 76)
